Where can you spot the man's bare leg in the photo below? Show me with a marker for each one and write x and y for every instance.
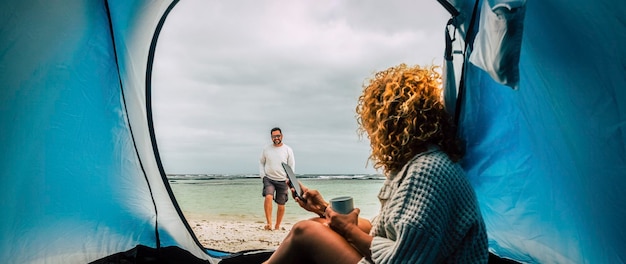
(279, 216)
(267, 205)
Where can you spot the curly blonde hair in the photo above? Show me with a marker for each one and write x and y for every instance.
(401, 109)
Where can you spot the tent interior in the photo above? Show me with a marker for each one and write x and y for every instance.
(540, 101)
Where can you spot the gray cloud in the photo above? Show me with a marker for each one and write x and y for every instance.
(227, 71)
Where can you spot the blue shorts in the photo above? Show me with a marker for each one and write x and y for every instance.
(278, 189)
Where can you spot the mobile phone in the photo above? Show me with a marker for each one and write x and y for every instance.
(293, 181)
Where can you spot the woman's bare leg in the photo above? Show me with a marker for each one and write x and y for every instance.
(312, 242)
(363, 223)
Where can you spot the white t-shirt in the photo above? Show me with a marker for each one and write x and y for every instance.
(271, 159)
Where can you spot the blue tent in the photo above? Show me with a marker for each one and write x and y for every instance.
(548, 159)
(538, 89)
(80, 176)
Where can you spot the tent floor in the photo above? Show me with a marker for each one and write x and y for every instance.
(172, 255)
(493, 259)
(147, 255)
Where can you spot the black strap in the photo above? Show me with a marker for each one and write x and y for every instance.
(469, 38)
(449, 7)
(448, 52)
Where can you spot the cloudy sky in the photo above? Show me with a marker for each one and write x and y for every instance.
(226, 72)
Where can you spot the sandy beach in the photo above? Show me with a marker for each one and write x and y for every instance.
(227, 214)
(234, 236)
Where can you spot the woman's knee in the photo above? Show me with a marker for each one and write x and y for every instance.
(305, 226)
(314, 240)
(307, 230)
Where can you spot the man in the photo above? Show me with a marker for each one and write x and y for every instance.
(274, 176)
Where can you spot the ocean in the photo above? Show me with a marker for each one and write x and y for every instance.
(238, 197)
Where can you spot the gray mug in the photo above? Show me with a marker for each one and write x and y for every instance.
(342, 205)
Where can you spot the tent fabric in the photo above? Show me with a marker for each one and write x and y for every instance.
(548, 160)
(82, 181)
(133, 45)
(497, 44)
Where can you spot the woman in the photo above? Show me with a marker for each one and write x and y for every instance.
(429, 212)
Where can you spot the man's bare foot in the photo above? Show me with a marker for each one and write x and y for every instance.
(277, 227)
(268, 227)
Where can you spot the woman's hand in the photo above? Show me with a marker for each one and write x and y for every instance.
(313, 200)
(343, 223)
(354, 229)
